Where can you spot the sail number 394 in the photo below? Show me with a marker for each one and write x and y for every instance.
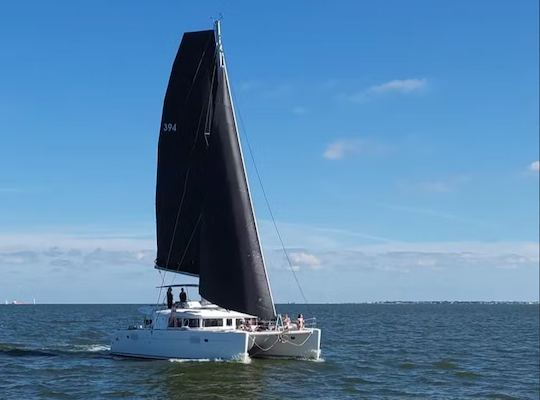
(168, 128)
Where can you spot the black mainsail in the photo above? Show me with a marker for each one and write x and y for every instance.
(204, 217)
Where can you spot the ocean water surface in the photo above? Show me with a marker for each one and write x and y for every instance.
(374, 351)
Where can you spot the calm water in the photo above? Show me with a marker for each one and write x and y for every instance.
(370, 351)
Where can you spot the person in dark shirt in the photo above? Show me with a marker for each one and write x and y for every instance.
(169, 298)
(183, 296)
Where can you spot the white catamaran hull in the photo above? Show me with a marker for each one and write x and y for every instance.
(226, 345)
(182, 344)
(303, 344)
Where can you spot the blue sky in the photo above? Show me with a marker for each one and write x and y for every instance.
(397, 141)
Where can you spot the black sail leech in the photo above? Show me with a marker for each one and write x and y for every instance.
(205, 223)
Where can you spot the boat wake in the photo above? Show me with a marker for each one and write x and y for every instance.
(198, 360)
(92, 348)
(315, 360)
(17, 350)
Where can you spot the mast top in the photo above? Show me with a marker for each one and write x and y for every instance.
(219, 44)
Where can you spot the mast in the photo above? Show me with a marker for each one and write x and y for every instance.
(222, 64)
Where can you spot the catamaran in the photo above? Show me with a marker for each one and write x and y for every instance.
(206, 228)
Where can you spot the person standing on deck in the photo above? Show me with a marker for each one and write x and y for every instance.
(183, 297)
(300, 322)
(169, 298)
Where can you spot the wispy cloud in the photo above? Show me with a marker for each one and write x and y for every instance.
(446, 185)
(399, 86)
(89, 269)
(328, 249)
(341, 149)
(396, 86)
(9, 190)
(435, 214)
(74, 251)
(345, 148)
(534, 166)
(405, 257)
(65, 253)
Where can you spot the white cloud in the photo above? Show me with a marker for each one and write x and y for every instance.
(340, 149)
(406, 257)
(397, 86)
(76, 268)
(303, 258)
(74, 251)
(535, 166)
(344, 148)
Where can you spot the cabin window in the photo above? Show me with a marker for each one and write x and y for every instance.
(229, 322)
(212, 322)
(193, 323)
(175, 322)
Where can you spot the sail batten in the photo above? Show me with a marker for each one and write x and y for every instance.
(205, 219)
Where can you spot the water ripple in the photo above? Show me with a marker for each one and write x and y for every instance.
(370, 351)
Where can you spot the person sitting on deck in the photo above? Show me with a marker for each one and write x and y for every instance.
(300, 321)
(169, 298)
(183, 297)
(247, 325)
(286, 322)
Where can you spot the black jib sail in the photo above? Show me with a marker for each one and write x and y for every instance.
(205, 222)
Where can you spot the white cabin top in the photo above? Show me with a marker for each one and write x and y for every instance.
(194, 309)
(194, 315)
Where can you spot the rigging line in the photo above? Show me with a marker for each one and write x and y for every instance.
(209, 114)
(189, 156)
(197, 71)
(188, 244)
(267, 201)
